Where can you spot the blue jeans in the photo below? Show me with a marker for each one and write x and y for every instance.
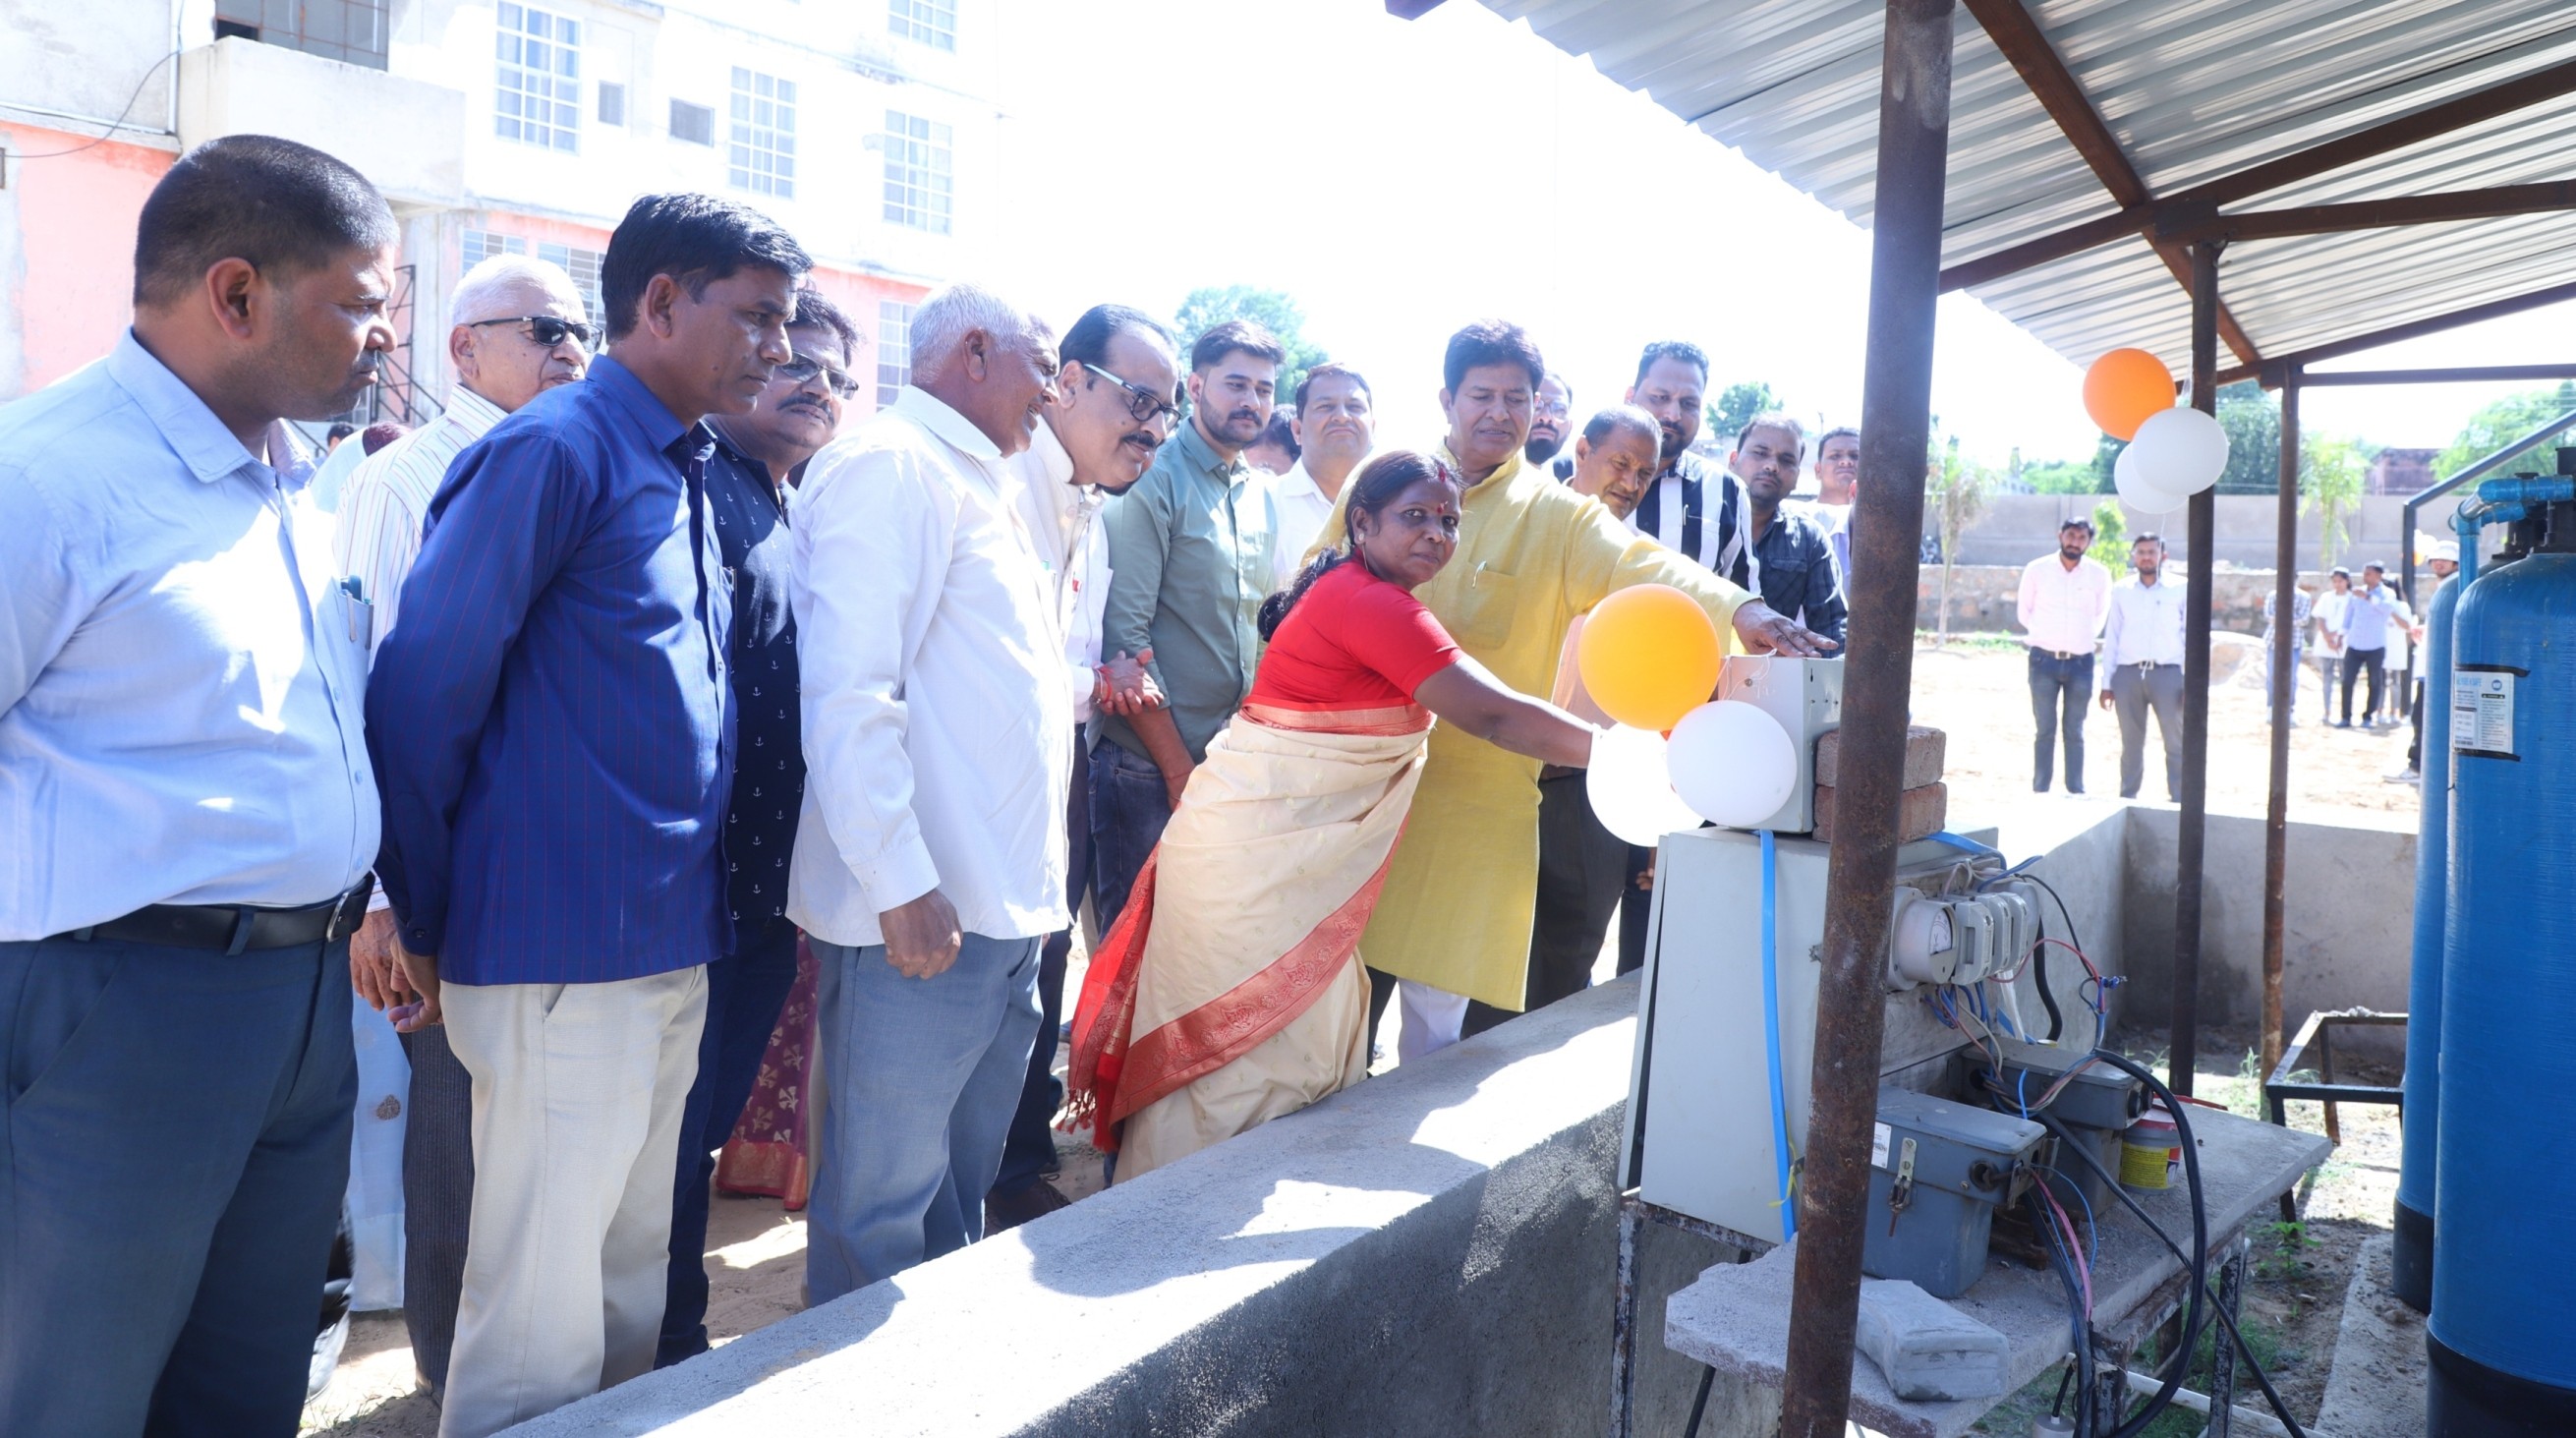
(920, 1077)
(176, 1151)
(745, 991)
(2268, 677)
(1129, 807)
(2059, 691)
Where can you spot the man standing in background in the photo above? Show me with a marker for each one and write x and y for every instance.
(2060, 607)
(1190, 562)
(1336, 429)
(2142, 645)
(2366, 615)
(1693, 508)
(1837, 488)
(2329, 611)
(1112, 411)
(516, 330)
(758, 461)
(1785, 557)
(1551, 413)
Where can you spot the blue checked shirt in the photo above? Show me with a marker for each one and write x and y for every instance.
(552, 727)
(180, 678)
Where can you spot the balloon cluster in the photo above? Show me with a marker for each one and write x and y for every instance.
(2174, 451)
(1649, 657)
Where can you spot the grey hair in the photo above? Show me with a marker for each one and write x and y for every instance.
(942, 321)
(479, 295)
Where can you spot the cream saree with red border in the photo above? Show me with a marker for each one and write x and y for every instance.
(1230, 990)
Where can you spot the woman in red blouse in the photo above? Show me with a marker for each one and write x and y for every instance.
(1230, 991)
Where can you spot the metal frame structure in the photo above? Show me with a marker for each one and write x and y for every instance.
(1778, 79)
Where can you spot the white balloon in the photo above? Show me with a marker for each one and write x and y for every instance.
(1630, 792)
(1732, 763)
(2135, 489)
(2180, 451)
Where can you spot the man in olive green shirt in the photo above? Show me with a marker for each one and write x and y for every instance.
(1189, 562)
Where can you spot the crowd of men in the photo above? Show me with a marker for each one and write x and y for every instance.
(2079, 626)
(549, 727)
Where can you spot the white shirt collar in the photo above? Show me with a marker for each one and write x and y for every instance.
(1299, 484)
(934, 415)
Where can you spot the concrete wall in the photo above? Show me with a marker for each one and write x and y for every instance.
(2015, 528)
(1431, 1252)
(2348, 925)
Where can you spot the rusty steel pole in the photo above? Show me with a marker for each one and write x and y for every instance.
(2285, 688)
(2203, 529)
(1860, 875)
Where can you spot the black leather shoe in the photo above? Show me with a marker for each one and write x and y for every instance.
(1010, 1210)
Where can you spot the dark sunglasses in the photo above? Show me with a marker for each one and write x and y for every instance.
(547, 330)
(805, 367)
(1142, 403)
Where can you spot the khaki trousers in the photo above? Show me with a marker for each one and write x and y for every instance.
(578, 1091)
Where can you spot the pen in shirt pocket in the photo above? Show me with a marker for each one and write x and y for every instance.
(361, 608)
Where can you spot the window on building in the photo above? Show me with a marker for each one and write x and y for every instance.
(894, 350)
(932, 22)
(761, 156)
(352, 31)
(583, 266)
(612, 103)
(917, 181)
(481, 245)
(539, 97)
(693, 123)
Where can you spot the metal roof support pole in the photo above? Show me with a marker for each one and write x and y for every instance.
(1896, 439)
(2285, 681)
(2203, 526)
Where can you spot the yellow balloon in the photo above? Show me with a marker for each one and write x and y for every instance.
(1649, 655)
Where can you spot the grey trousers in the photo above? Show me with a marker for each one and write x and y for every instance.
(438, 1198)
(2134, 689)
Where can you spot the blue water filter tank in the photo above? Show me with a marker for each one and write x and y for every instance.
(2412, 1263)
(2503, 1330)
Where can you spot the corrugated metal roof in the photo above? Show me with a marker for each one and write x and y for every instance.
(2194, 90)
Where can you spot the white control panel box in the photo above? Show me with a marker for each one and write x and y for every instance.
(1806, 696)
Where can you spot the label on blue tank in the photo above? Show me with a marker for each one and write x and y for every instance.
(2482, 711)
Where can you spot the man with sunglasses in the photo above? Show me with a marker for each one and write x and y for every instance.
(1111, 412)
(759, 458)
(519, 330)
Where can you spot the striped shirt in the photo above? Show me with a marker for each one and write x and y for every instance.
(388, 497)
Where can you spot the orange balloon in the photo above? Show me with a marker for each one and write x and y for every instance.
(1649, 655)
(2123, 388)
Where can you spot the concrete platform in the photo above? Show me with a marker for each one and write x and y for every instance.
(2376, 1387)
(1736, 1317)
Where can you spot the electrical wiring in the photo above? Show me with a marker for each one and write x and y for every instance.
(2092, 1225)
(2083, 1270)
(2261, 1379)
(2079, 1319)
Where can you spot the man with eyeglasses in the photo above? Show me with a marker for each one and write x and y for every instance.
(759, 459)
(1110, 414)
(1551, 411)
(1189, 547)
(519, 329)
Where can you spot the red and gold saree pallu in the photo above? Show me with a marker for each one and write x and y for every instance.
(1229, 992)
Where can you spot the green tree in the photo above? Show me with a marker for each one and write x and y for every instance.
(2110, 538)
(2503, 422)
(1209, 306)
(2330, 475)
(1734, 406)
(1957, 491)
(2061, 476)
(2252, 420)
(2106, 456)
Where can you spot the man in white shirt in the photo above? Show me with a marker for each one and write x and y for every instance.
(929, 864)
(517, 329)
(1336, 429)
(2060, 606)
(2366, 613)
(2329, 612)
(1837, 487)
(1112, 410)
(2142, 645)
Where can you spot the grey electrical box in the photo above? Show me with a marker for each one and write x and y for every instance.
(1939, 1170)
(2095, 1105)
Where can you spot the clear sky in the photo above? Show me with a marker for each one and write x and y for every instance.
(1402, 177)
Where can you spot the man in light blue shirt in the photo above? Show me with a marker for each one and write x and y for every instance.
(2365, 640)
(187, 805)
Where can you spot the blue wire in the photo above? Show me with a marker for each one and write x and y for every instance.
(2021, 1091)
(2092, 1230)
(1771, 1030)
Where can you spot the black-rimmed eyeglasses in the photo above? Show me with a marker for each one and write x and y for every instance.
(1143, 405)
(547, 330)
(804, 367)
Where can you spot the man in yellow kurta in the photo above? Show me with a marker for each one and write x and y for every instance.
(1454, 921)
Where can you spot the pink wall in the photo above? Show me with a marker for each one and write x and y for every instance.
(76, 215)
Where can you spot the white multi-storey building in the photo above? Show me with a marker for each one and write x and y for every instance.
(866, 127)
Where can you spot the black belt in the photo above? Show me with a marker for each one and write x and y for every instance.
(234, 928)
(2066, 654)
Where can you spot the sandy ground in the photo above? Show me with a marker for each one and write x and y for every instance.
(1977, 691)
